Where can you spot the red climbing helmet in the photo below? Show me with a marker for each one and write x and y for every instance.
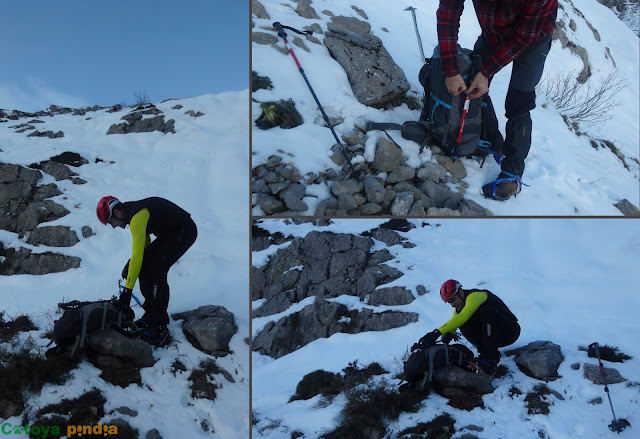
(105, 208)
(448, 289)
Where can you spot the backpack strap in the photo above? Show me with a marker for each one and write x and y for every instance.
(369, 126)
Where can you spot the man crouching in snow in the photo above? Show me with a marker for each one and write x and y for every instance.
(150, 261)
(483, 319)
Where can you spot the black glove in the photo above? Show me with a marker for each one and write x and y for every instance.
(429, 339)
(125, 299)
(448, 336)
(125, 270)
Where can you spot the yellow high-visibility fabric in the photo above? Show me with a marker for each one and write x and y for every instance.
(471, 305)
(138, 227)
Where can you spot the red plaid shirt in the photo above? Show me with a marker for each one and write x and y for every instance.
(509, 25)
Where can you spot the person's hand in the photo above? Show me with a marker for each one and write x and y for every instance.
(448, 336)
(455, 84)
(429, 339)
(125, 299)
(479, 86)
(125, 270)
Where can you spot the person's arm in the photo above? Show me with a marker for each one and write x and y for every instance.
(527, 30)
(474, 300)
(138, 227)
(448, 24)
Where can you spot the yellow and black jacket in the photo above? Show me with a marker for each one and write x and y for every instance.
(474, 300)
(150, 216)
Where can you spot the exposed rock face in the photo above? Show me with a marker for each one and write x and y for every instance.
(539, 359)
(112, 343)
(627, 208)
(258, 10)
(305, 10)
(138, 123)
(49, 134)
(23, 261)
(376, 80)
(53, 236)
(209, 328)
(322, 319)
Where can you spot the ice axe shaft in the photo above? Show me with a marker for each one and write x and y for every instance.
(281, 33)
(415, 25)
(616, 425)
(464, 116)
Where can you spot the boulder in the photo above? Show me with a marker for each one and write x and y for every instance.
(453, 376)
(387, 156)
(209, 328)
(539, 359)
(402, 203)
(53, 236)
(23, 261)
(305, 10)
(111, 343)
(592, 373)
(390, 296)
(258, 10)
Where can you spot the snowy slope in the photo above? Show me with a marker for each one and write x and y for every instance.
(200, 168)
(569, 281)
(566, 175)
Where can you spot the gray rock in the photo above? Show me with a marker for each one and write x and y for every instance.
(298, 42)
(112, 343)
(271, 177)
(352, 24)
(575, 366)
(275, 188)
(441, 195)
(22, 261)
(263, 38)
(137, 122)
(401, 173)
(354, 137)
(322, 319)
(627, 208)
(292, 197)
(402, 203)
(432, 171)
(471, 208)
(390, 296)
(417, 209)
(360, 12)
(592, 373)
(305, 10)
(421, 290)
(209, 328)
(435, 211)
(389, 237)
(194, 114)
(375, 78)
(259, 186)
(258, 10)
(539, 359)
(124, 410)
(387, 156)
(154, 433)
(290, 173)
(273, 162)
(49, 134)
(350, 186)
(370, 209)
(53, 236)
(454, 167)
(405, 186)
(270, 205)
(314, 27)
(10, 408)
(595, 401)
(374, 189)
(453, 376)
(347, 202)
(87, 232)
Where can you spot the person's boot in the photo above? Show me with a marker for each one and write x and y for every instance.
(483, 366)
(505, 186)
(157, 335)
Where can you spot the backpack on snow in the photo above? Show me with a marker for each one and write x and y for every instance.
(81, 318)
(442, 112)
(419, 367)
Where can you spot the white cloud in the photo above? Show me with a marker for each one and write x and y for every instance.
(34, 95)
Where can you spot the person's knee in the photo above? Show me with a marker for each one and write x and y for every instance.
(519, 103)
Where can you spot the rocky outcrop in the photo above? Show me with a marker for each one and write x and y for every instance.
(325, 265)
(322, 319)
(376, 80)
(23, 261)
(539, 359)
(209, 328)
(53, 236)
(138, 122)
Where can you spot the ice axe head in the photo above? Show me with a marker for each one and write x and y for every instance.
(410, 8)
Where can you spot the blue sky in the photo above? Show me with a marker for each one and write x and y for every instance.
(76, 53)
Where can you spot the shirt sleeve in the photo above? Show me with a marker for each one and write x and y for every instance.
(474, 300)
(528, 30)
(448, 24)
(138, 227)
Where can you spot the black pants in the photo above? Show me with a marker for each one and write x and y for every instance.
(521, 99)
(159, 256)
(488, 329)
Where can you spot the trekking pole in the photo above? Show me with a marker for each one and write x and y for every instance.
(467, 100)
(415, 25)
(617, 425)
(281, 33)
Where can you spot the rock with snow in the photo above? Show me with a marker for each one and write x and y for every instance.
(53, 236)
(611, 375)
(23, 261)
(112, 343)
(209, 328)
(539, 359)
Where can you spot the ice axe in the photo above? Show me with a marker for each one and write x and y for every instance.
(617, 425)
(415, 25)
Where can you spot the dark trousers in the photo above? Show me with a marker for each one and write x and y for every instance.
(489, 330)
(521, 99)
(159, 256)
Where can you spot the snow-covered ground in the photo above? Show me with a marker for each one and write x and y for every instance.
(567, 176)
(570, 281)
(202, 168)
